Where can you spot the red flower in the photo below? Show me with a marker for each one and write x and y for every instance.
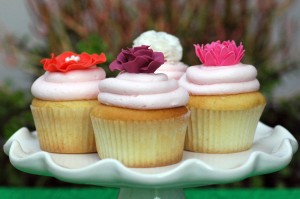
(68, 61)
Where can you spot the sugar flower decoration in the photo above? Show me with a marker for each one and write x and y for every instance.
(163, 42)
(68, 61)
(220, 54)
(138, 60)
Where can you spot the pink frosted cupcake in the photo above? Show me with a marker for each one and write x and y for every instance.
(225, 101)
(170, 46)
(63, 98)
(141, 119)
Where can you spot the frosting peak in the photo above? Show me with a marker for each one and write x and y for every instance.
(142, 91)
(174, 70)
(219, 80)
(72, 85)
(138, 60)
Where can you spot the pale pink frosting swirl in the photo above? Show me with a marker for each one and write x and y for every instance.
(142, 91)
(219, 80)
(73, 85)
(174, 70)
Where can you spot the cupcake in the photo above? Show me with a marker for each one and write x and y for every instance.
(170, 46)
(63, 98)
(142, 118)
(225, 101)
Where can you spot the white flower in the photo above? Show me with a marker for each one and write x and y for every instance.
(163, 42)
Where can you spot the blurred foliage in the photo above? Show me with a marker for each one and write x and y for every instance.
(94, 43)
(110, 25)
(14, 111)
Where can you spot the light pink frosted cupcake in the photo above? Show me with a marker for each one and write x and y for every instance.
(141, 119)
(63, 98)
(170, 46)
(225, 101)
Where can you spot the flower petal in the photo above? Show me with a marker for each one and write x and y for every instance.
(210, 60)
(85, 60)
(228, 60)
(225, 52)
(152, 67)
(116, 65)
(159, 57)
(200, 52)
(136, 65)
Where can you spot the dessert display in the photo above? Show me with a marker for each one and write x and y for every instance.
(225, 101)
(63, 98)
(170, 46)
(142, 118)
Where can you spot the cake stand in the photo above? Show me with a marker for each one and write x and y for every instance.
(272, 150)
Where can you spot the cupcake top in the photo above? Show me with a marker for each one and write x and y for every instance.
(137, 87)
(221, 71)
(69, 76)
(163, 42)
(174, 70)
(170, 46)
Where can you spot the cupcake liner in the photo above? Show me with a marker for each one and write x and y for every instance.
(64, 130)
(141, 143)
(213, 131)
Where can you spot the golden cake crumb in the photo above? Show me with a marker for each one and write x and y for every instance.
(117, 113)
(227, 102)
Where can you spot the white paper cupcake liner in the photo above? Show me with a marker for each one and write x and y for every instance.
(64, 130)
(141, 143)
(212, 131)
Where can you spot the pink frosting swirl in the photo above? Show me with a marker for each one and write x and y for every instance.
(209, 80)
(174, 70)
(142, 91)
(73, 85)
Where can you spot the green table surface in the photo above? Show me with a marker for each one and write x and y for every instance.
(111, 193)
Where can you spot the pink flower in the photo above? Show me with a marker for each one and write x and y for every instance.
(220, 54)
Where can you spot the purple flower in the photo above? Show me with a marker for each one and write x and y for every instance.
(138, 60)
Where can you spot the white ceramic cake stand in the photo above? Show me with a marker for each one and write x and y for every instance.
(272, 150)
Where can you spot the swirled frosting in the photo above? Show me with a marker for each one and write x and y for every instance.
(163, 42)
(219, 80)
(72, 85)
(142, 91)
(174, 70)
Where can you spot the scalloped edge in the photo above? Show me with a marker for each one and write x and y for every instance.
(188, 173)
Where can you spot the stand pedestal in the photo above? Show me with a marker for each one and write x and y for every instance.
(132, 193)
